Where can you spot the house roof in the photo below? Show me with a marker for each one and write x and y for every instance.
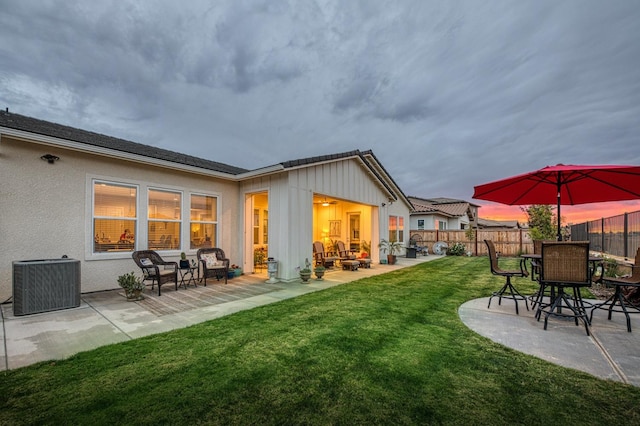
(508, 224)
(46, 128)
(444, 206)
(97, 142)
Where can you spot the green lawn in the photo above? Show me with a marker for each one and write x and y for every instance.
(383, 350)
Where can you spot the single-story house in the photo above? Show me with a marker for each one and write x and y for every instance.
(96, 198)
(442, 214)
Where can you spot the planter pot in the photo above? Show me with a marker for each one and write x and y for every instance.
(319, 275)
(231, 274)
(134, 295)
(304, 276)
(184, 264)
(391, 259)
(237, 272)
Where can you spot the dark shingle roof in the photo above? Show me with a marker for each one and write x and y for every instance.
(41, 127)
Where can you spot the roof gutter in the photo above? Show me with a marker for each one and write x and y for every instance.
(112, 153)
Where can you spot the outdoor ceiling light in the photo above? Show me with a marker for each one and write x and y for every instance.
(50, 158)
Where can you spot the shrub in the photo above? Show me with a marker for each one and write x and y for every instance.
(456, 249)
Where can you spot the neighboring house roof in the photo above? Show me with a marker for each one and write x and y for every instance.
(58, 134)
(508, 224)
(448, 207)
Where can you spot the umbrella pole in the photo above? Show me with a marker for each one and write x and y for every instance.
(559, 236)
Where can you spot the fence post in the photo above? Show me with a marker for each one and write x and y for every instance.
(476, 241)
(602, 235)
(520, 235)
(626, 236)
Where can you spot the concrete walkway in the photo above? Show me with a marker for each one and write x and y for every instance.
(106, 317)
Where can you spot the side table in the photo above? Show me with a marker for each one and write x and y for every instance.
(187, 277)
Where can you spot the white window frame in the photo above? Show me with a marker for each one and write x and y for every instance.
(142, 221)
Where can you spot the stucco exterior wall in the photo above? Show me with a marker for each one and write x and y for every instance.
(46, 209)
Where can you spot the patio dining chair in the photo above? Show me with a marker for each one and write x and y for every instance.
(155, 269)
(508, 291)
(565, 270)
(618, 296)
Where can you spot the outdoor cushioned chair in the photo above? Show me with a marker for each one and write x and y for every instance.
(213, 263)
(619, 296)
(565, 267)
(156, 269)
(343, 253)
(507, 291)
(321, 257)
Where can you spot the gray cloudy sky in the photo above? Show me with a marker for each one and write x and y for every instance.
(447, 94)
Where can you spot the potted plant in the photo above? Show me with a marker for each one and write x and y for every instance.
(366, 249)
(237, 270)
(132, 286)
(319, 271)
(305, 273)
(392, 248)
(184, 263)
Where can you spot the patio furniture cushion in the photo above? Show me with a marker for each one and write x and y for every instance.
(211, 260)
(365, 262)
(350, 264)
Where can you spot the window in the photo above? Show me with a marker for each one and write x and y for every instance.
(165, 220)
(204, 221)
(442, 225)
(396, 228)
(115, 217)
(393, 227)
(420, 224)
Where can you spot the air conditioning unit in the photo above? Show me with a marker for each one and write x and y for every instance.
(45, 285)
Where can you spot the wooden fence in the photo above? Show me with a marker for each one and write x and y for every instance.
(511, 242)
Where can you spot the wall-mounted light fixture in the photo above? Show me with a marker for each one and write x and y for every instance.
(383, 204)
(50, 158)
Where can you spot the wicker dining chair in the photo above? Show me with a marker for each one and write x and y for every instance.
(155, 269)
(508, 291)
(565, 269)
(618, 296)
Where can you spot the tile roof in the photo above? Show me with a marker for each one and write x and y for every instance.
(446, 206)
(46, 128)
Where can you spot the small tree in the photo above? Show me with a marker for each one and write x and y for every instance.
(541, 221)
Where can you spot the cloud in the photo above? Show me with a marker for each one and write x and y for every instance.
(447, 94)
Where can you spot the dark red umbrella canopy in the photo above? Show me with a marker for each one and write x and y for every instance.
(565, 184)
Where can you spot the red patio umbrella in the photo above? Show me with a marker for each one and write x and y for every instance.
(565, 184)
